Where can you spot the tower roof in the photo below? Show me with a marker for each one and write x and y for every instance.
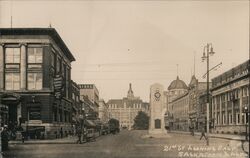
(130, 91)
(177, 84)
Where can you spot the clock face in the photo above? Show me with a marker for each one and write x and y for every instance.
(157, 95)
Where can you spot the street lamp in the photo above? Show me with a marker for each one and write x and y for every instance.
(207, 51)
(245, 111)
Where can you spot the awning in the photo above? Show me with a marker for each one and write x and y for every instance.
(90, 123)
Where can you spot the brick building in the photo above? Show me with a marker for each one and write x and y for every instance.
(30, 60)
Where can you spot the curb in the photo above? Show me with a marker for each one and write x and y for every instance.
(211, 136)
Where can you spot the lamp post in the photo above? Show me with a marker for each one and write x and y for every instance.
(207, 51)
(245, 110)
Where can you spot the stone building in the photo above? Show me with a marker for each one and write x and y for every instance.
(126, 109)
(35, 76)
(230, 94)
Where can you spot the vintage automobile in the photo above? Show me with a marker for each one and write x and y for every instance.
(90, 135)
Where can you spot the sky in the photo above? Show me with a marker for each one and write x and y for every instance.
(140, 42)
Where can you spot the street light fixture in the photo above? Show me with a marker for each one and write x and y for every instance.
(245, 110)
(207, 51)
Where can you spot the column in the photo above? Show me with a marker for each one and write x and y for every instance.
(215, 109)
(23, 66)
(232, 110)
(240, 97)
(1, 67)
(220, 110)
(226, 112)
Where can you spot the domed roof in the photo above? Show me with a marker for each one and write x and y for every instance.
(177, 84)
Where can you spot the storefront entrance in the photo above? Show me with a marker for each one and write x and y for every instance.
(11, 100)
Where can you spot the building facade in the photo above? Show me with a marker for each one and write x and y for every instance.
(230, 94)
(180, 112)
(126, 109)
(175, 89)
(76, 102)
(92, 93)
(195, 89)
(103, 111)
(35, 75)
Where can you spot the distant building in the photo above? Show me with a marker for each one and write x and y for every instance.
(76, 102)
(180, 112)
(103, 111)
(196, 89)
(176, 88)
(126, 109)
(92, 93)
(35, 76)
(230, 94)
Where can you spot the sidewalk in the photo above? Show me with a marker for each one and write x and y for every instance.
(66, 140)
(213, 135)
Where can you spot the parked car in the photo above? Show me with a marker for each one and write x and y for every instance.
(90, 136)
(105, 129)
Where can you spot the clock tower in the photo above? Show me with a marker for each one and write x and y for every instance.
(156, 124)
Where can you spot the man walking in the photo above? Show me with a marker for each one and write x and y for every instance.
(203, 134)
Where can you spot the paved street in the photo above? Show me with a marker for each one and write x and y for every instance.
(128, 144)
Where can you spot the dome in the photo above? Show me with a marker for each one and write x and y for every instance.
(177, 84)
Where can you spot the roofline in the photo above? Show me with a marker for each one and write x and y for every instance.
(40, 31)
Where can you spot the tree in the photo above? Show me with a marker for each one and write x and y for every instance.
(141, 121)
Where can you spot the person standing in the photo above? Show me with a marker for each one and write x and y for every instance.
(5, 139)
(203, 134)
(79, 135)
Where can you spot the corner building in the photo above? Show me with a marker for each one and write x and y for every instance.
(30, 59)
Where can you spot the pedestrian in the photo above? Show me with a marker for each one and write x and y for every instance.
(79, 135)
(5, 138)
(203, 134)
(61, 132)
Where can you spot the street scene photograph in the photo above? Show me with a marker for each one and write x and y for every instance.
(124, 78)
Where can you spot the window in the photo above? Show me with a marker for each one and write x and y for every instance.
(34, 80)
(230, 118)
(35, 58)
(12, 68)
(12, 81)
(12, 55)
(35, 113)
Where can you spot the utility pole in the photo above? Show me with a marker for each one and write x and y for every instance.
(207, 51)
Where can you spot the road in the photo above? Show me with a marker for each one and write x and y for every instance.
(131, 144)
